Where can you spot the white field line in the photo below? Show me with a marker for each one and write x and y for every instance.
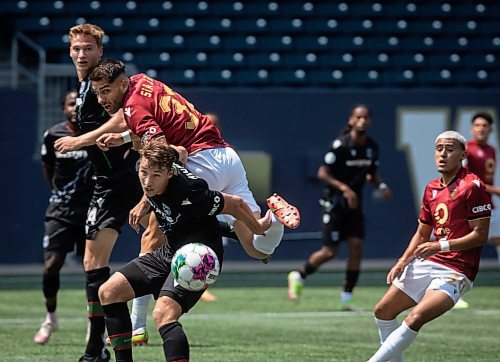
(241, 316)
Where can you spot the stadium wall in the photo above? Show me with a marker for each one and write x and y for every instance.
(295, 127)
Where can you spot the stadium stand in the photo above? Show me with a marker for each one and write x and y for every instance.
(440, 43)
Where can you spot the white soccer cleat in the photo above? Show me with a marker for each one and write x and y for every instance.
(295, 284)
(45, 332)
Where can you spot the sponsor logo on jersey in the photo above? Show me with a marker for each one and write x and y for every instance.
(481, 208)
(216, 205)
(72, 154)
(441, 213)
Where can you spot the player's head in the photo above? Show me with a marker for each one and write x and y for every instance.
(155, 168)
(85, 46)
(360, 119)
(69, 106)
(481, 126)
(110, 83)
(449, 151)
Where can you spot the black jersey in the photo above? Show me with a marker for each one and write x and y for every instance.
(90, 116)
(349, 163)
(71, 181)
(187, 211)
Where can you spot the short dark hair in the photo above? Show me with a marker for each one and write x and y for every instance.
(63, 101)
(158, 154)
(361, 105)
(488, 117)
(108, 69)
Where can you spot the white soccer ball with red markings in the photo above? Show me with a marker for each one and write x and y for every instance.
(195, 266)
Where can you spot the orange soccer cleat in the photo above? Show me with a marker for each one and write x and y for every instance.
(288, 214)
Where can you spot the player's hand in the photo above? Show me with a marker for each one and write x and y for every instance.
(67, 144)
(264, 223)
(426, 250)
(137, 213)
(183, 153)
(108, 140)
(396, 271)
(351, 197)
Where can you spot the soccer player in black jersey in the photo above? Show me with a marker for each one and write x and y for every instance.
(70, 178)
(190, 217)
(352, 159)
(117, 187)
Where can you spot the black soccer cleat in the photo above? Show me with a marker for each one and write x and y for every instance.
(104, 357)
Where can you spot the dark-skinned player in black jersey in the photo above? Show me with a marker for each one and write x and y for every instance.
(69, 176)
(352, 159)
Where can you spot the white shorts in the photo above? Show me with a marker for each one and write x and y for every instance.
(495, 222)
(422, 275)
(223, 170)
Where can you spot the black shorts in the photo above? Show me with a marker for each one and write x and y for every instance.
(62, 237)
(150, 274)
(340, 223)
(111, 202)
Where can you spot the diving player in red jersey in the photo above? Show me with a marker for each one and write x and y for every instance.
(432, 275)
(481, 160)
(152, 110)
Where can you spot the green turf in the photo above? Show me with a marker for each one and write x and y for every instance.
(260, 324)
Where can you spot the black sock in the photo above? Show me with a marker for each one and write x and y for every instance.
(351, 279)
(119, 330)
(95, 278)
(308, 269)
(175, 343)
(50, 286)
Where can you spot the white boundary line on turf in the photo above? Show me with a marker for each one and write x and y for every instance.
(254, 316)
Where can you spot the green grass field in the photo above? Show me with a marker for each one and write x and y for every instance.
(254, 321)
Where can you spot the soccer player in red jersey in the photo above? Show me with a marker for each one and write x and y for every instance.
(481, 160)
(432, 275)
(152, 110)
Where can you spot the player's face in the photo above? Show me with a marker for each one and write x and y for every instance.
(85, 53)
(70, 107)
(481, 130)
(154, 181)
(360, 120)
(111, 95)
(448, 156)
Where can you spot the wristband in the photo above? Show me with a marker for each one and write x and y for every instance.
(444, 243)
(126, 136)
(383, 186)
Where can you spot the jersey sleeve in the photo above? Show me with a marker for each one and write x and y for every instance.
(143, 124)
(477, 201)
(333, 158)
(47, 150)
(208, 202)
(425, 210)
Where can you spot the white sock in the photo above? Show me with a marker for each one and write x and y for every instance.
(498, 253)
(385, 328)
(395, 344)
(266, 244)
(345, 297)
(51, 317)
(139, 313)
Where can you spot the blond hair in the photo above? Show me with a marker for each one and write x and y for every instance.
(87, 29)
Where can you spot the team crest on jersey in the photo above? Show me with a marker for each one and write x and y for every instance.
(453, 192)
(336, 144)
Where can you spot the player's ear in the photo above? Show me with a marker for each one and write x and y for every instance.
(124, 84)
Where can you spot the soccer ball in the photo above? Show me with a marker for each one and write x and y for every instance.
(195, 266)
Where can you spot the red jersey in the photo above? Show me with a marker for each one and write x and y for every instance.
(448, 209)
(481, 160)
(151, 108)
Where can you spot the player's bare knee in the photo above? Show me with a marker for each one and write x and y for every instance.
(106, 293)
(328, 252)
(166, 311)
(414, 320)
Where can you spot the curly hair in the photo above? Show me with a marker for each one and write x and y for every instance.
(108, 70)
(158, 154)
(87, 29)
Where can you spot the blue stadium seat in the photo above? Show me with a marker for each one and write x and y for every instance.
(266, 9)
(194, 60)
(330, 78)
(179, 26)
(241, 42)
(481, 60)
(442, 77)
(229, 59)
(309, 60)
(177, 78)
(216, 77)
(261, 77)
(266, 60)
(403, 77)
(290, 77)
(166, 42)
(478, 78)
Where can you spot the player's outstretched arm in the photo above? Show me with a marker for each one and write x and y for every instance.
(115, 124)
(237, 207)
